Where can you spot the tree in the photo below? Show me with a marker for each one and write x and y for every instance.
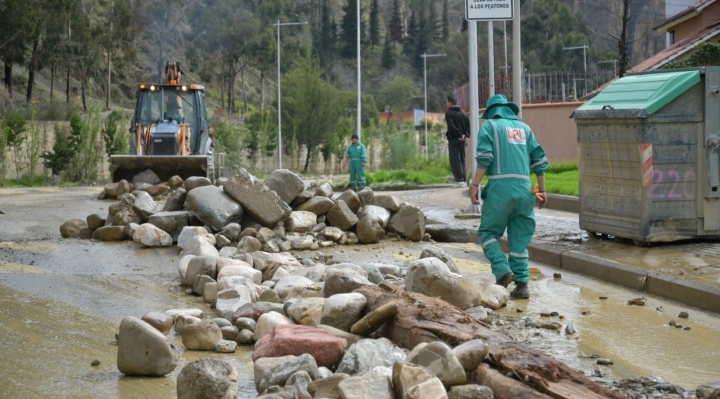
(374, 24)
(349, 30)
(397, 94)
(14, 128)
(310, 109)
(446, 20)
(388, 55)
(396, 30)
(116, 141)
(59, 159)
(14, 30)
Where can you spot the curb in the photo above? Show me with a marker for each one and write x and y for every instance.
(565, 203)
(668, 287)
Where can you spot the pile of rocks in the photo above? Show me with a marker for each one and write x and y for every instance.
(656, 387)
(276, 215)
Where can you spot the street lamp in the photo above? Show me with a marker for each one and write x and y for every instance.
(278, 24)
(425, 57)
(584, 46)
(359, 104)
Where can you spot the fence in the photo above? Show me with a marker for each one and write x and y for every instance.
(544, 87)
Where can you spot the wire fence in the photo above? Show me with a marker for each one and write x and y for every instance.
(545, 87)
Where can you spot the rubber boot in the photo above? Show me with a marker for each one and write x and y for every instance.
(506, 279)
(521, 291)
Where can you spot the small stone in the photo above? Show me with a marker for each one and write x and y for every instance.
(604, 362)
(519, 310)
(678, 326)
(672, 323)
(684, 315)
(553, 325)
(637, 302)
(603, 297)
(570, 329)
(225, 346)
(557, 276)
(207, 378)
(554, 314)
(95, 362)
(245, 337)
(686, 328)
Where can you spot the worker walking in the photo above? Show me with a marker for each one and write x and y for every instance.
(506, 152)
(357, 156)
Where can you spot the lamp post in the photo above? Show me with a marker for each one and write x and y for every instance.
(359, 106)
(583, 47)
(425, 57)
(279, 24)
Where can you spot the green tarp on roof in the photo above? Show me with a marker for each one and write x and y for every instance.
(648, 92)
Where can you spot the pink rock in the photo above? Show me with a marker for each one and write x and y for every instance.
(296, 340)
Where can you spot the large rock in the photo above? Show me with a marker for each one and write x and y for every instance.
(73, 228)
(201, 336)
(304, 195)
(176, 201)
(367, 354)
(207, 378)
(201, 265)
(389, 202)
(158, 190)
(145, 206)
(172, 223)
(261, 203)
(409, 380)
(295, 340)
(189, 232)
(162, 322)
(143, 350)
(213, 207)
(324, 190)
(419, 269)
(471, 353)
(317, 205)
(408, 222)
(352, 200)
(338, 281)
(431, 251)
(373, 385)
(182, 268)
(248, 245)
(457, 290)
(285, 183)
(146, 176)
(175, 182)
(343, 310)
(243, 271)
(370, 230)
(268, 263)
(199, 246)
(95, 221)
(366, 196)
(113, 190)
(439, 359)
(151, 236)
(125, 217)
(267, 322)
(493, 296)
(196, 181)
(470, 391)
(332, 233)
(256, 310)
(109, 233)
(378, 213)
(301, 222)
(307, 311)
(451, 233)
(277, 370)
(289, 283)
(231, 299)
(341, 216)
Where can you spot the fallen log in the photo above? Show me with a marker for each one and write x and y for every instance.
(421, 319)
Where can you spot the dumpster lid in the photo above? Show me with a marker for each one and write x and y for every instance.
(643, 92)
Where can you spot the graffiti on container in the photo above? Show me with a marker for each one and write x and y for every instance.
(672, 185)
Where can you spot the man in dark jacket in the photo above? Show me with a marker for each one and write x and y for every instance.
(458, 133)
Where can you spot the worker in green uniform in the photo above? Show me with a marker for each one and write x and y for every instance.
(506, 152)
(357, 156)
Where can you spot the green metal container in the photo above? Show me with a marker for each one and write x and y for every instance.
(650, 157)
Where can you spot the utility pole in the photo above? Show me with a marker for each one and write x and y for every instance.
(359, 105)
(516, 62)
(425, 57)
(474, 97)
(491, 58)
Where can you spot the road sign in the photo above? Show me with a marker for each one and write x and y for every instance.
(488, 10)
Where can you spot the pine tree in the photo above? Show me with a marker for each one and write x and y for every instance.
(388, 55)
(446, 21)
(374, 24)
(396, 29)
(349, 30)
(411, 38)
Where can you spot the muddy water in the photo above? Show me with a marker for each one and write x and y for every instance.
(63, 299)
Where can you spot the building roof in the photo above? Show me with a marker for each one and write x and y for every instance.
(683, 15)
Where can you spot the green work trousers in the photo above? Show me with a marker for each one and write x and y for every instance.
(357, 175)
(508, 204)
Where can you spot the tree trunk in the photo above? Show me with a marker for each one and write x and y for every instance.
(67, 86)
(160, 59)
(31, 71)
(244, 91)
(52, 81)
(622, 43)
(262, 89)
(82, 93)
(17, 165)
(8, 78)
(307, 159)
(109, 81)
(424, 319)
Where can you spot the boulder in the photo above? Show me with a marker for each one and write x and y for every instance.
(451, 233)
(95, 221)
(439, 359)
(367, 354)
(113, 190)
(201, 265)
(182, 268)
(470, 391)
(268, 263)
(299, 383)
(338, 281)
(493, 296)
(248, 245)
(324, 190)
(201, 281)
(307, 311)
(296, 340)
(176, 201)
(341, 216)
(261, 203)
(162, 322)
(421, 268)
(255, 310)
(374, 385)
(231, 231)
(708, 391)
(145, 206)
(267, 322)
(172, 223)
(213, 207)
(151, 236)
(243, 271)
(143, 350)
(327, 388)
(175, 182)
(303, 243)
(317, 205)
(370, 230)
(471, 353)
(271, 371)
(366, 196)
(332, 233)
(73, 228)
(125, 217)
(189, 232)
(196, 181)
(288, 283)
(378, 213)
(199, 246)
(408, 222)
(285, 183)
(146, 176)
(210, 292)
(389, 202)
(183, 320)
(109, 233)
(409, 378)
(375, 319)
(457, 290)
(301, 222)
(352, 200)
(231, 299)
(343, 310)
(207, 378)
(431, 251)
(158, 190)
(304, 196)
(201, 336)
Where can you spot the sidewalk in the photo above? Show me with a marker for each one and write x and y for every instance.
(687, 272)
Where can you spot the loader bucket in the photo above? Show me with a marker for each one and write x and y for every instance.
(127, 166)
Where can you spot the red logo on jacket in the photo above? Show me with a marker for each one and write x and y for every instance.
(516, 136)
